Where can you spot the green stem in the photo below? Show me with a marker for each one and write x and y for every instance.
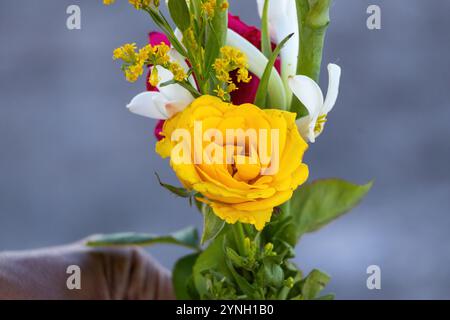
(286, 207)
(313, 24)
(239, 237)
(266, 44)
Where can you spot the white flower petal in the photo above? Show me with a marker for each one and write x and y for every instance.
(309, 93)
(304, 128)
(260, 4)
(179, 35)
(144, 105)
(334, 74)
(289, 60)
(283, 21)
(161, 101)
(257, 64)
(174, 107)
(172, 92)
(278, 9)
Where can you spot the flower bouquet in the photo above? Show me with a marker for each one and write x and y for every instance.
(237, 107)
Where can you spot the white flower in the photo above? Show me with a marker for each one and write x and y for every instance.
(282, 15)
(309, 93)
(169, 100)
(257, 63)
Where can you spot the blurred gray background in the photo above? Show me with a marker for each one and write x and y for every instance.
(74, 162)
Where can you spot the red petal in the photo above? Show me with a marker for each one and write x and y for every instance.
(155, 38)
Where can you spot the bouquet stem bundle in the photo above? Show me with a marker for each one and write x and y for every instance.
(204, 70)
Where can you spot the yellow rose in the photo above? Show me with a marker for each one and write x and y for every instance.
(243, 176)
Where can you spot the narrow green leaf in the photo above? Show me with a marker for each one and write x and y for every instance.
(248, 289)
(162, 23)
(261, 94)
(185, 85)
(182, 274)
(181, 192)
(196, 8)
(212, 46)
(216, 35)
(190, 88)
(187, 238)
(314, 283)
(179, 11)
(220, 22)
(317, 204)
(212, 258)
(212, 224)
(266, 43)
(326, 297)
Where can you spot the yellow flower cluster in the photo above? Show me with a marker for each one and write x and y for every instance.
(230, 59)
(209, 7)
(138, 4)
(134, 62)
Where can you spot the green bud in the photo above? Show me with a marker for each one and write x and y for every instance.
(247, 245)
(268, 250)
(235, 258)
(289, 282)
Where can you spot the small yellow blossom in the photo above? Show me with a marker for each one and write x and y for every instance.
(221, 93)
(154, 77)
(209, 7)
(134, 61)
(133, 73)
(137, 4)
(190, 40)
(232, 87)
(178, 71)
(161, 54)
(127, 53)
(243, 76)
(225, 5)
(231, 59)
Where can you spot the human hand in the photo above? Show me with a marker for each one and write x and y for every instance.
(106, 274)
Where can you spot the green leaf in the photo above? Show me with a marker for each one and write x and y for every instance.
(248, 289)
(317, 204)
(179, 12)
(212, 45)
(261, 94)
(212, 224)
(220, 22)
(314, 283)
(182, 274)
(187, 238)
(326, 297)
(212, 258)
(216, 34)
(181, 192)
(196, 8)
(164, 25)
(266, 43)
(271, 274)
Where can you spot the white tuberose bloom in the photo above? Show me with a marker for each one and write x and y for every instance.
(170, 99)
(282, 16)
(309, 93)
